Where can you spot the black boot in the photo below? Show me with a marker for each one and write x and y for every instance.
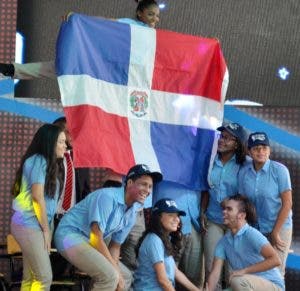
(7, 69)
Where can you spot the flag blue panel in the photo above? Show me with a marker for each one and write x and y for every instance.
(104, 54)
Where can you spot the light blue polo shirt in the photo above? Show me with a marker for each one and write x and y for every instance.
(264, 189)
(152, 251)
(105, 206)
(186, 200)
(244, 249)
(34, 172)
(223, 184)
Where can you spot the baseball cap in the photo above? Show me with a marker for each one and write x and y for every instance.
(234, 129)
(167, 205)
(141, 170)
(258, 138)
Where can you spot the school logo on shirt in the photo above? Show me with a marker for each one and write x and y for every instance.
(139, 103)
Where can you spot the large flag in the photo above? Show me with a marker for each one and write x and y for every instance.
(133, 94)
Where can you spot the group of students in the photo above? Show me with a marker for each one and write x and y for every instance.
(191, 232)
(80, 237)
(90, 234)
(248, 170)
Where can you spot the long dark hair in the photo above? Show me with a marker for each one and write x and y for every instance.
(144, 4)
(44, 144)
(172, 241)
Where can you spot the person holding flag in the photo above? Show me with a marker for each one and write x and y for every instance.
(147, 14)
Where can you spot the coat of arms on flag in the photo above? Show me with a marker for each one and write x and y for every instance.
(134, 94)
(139, 103)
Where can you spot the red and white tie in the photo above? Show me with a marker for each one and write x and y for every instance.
(69, 183)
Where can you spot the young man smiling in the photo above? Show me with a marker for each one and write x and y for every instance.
(251, 257)
(108, 212)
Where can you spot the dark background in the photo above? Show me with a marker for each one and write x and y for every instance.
(257, 37)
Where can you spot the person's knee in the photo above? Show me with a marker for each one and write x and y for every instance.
(43, 281)
(107, 279)
(114, 279)
(239, 283)
(47, 278)
(115, 276)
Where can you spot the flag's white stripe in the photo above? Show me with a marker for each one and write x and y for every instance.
(140, 138)
(142, 54)
(225, 85)
(215, 144)
(165, 107)
(183, 109)
(83, 89)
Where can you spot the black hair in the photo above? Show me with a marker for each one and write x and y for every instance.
(44, 144)
(144, 4)
(241, 149)
(240, 152)
(111, 183)
(246, 206)
(133, 178)
(60, 120)
(172, 241)
(62, 123)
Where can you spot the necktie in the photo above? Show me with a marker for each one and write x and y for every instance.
(69, 183)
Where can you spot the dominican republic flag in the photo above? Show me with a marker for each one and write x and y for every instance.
(133, 94)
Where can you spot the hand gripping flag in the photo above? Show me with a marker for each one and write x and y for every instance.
(133, 94)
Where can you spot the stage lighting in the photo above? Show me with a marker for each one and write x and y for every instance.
(19, 51)
(162, 5)
(283, 73)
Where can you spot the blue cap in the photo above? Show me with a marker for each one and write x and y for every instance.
(236, 130)
(167, 205)
(141, 170)
(258, 138)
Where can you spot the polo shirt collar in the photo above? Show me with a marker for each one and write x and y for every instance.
(121, 195)
(265, 167)
(231, 237)
(218, 160)
(242, 230)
